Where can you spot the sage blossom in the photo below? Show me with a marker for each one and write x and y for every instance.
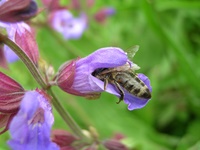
(77, 77)
(66, 24)
(31, 126)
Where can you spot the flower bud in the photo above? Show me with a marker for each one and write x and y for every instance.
(114, 145)
(11, 94)
(26, 40)
(63, 138)
(17, 10)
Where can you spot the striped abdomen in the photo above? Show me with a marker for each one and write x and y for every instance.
(132, 84)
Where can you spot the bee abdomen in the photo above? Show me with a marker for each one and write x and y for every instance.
(133, 85)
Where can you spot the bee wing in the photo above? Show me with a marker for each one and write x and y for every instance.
(131, 51)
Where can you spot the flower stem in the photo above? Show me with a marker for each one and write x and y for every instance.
(23, 56)
(36, 74)
(64, 43)
(67, 118)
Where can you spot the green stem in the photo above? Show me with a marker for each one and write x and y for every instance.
(62, 42)
(67, 117)
(27, 61)
(36, 74)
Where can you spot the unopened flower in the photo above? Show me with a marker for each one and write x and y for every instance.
(17, 10)
(63, 139)
(103, 13)
(77, 77)
(22, 35)
(114, 145)
(31, 127)
(69, 26)
(11, 94)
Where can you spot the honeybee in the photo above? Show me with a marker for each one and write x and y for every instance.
(124, 78)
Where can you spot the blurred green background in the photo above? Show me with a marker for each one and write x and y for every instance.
(168, 33)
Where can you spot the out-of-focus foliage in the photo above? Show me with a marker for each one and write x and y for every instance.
(168, 32)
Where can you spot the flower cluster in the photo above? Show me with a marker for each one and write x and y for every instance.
(63, 21)
(27, 114)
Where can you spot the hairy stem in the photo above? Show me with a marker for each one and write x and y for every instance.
(65, 44)
(26, 60)
(67, 117)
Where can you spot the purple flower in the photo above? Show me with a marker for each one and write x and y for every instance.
(10, 55)
(64, 139)
(31, 127)
(69, 26)
(2, 2)
(76, 78)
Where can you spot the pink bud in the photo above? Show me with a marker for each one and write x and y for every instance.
(11, 94)
(17, 10)
(27, 42)
(114, 145)
(63, 139)
(119, 136)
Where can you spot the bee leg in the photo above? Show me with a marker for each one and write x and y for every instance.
(121, 92)
(105, 84)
